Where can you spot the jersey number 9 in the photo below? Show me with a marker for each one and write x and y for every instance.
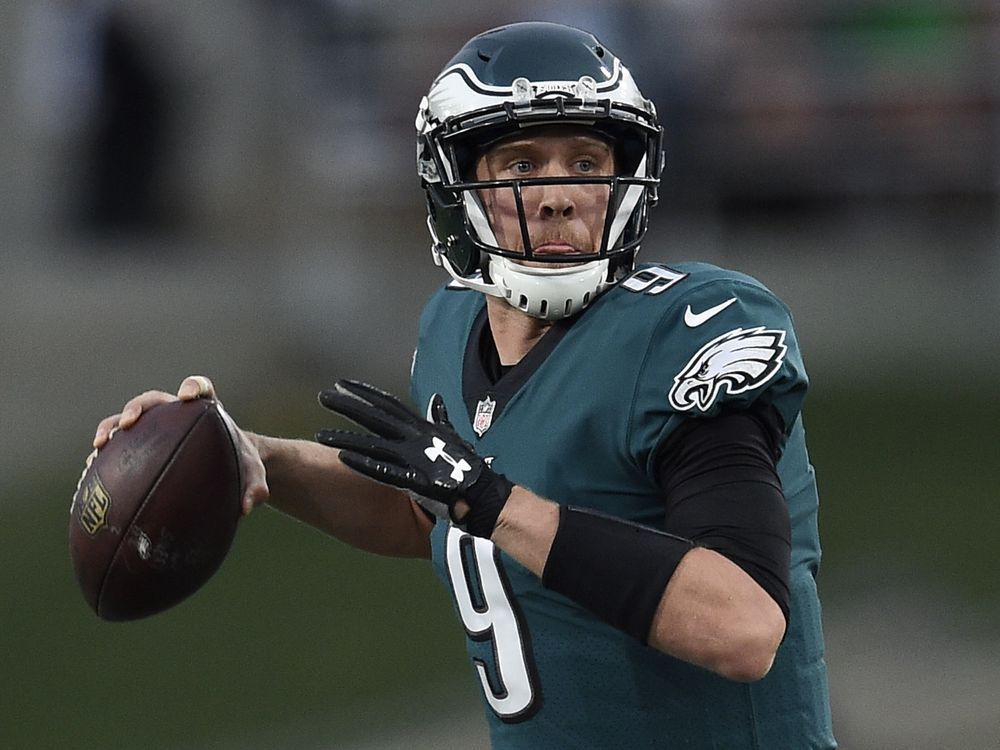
(488, 612)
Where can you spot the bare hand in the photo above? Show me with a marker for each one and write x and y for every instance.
(255, 490)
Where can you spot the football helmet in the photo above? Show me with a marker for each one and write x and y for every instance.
(500, 83)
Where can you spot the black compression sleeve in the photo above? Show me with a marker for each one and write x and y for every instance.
(616, 569)
(722, 491)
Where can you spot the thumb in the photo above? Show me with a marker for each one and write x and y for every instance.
(255, 492)
(195, 386)
(438, 412)
(255, 489)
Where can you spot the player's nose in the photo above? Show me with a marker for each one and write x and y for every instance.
(556, 201)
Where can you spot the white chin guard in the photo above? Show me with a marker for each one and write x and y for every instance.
(549, 293)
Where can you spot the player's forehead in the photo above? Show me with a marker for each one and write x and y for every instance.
(554, 139)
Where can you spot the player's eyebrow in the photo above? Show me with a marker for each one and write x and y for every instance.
(528, 144)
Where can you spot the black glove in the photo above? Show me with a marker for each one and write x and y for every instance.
(426, 458)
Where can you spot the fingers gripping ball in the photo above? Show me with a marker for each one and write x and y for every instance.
(427, 458)
(156, 510)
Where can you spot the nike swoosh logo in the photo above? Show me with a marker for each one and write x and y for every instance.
(693, 319)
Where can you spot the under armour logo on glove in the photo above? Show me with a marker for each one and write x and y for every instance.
(436, 451)
(398, 451)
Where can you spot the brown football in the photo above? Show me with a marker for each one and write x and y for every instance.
(156, 510)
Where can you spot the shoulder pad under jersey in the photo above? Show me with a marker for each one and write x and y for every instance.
(717, 339)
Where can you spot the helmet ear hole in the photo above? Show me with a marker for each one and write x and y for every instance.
(468, 257)
(447, 218)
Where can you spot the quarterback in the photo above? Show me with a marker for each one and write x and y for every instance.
(607, 462)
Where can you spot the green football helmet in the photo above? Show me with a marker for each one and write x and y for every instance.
(502, 82)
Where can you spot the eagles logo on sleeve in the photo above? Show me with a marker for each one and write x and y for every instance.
(737, 361)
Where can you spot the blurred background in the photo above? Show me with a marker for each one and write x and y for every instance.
(229, 189)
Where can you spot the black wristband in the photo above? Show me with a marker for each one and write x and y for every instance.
(616, 569)
(486, 498)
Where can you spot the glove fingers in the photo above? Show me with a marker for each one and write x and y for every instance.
(362, 413)
(369, 445)
(376, 397)
(380, 471)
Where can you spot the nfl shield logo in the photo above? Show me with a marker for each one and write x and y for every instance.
(484, 416)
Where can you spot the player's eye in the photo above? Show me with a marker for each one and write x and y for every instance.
(585, 165)
(521, 166)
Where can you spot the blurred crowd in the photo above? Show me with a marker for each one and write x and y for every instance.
(150, 116)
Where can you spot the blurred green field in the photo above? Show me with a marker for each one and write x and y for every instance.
(298, 632)
(908, 472)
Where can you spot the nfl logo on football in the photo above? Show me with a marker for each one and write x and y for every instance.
(484, 416)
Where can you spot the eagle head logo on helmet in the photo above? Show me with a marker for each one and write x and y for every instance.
(504, 81)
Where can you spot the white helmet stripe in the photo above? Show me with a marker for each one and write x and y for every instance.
(458, 90)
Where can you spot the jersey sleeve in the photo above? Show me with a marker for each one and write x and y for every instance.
(723, 344)
(438, 357)
(423, 365)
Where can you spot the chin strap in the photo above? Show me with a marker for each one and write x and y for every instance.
(475, 283)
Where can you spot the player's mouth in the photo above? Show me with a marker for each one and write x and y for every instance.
(556, 248)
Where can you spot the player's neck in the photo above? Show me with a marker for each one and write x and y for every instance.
(515, 333)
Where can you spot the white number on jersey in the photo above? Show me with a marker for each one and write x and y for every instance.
(652, 280)
(484, 603)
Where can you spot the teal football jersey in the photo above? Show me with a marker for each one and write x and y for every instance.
(579, 421)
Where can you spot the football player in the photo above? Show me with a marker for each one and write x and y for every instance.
(609, 467)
